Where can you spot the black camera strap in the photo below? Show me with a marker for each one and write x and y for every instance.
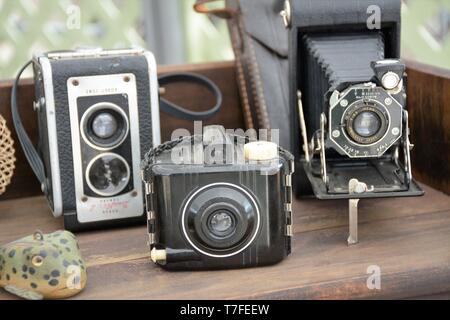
(28, 148)
(177, 111)
(182, 113)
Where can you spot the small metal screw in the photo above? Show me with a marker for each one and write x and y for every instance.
(336, 134)
(344, 103)
(75, 83)
(395, 131)
(84, 199)
(134, 194)
(388, 101)
(126, 79)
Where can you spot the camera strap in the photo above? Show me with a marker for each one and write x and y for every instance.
(182, 113)
(173, 109)
(28, 148)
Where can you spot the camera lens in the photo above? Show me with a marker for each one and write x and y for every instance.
(367, 124)
(108, 174)
(104, 125)
(221, 223)
(221, 219)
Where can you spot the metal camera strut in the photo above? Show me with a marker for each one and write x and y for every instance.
(355, 188)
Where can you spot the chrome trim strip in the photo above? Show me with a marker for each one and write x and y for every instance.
(52, 136)
(76, 54)
(154, 98)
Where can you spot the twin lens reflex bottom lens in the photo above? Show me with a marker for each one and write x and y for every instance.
(108, 175)
(367, 124)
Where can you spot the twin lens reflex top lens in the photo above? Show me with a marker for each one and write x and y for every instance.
(104, 125)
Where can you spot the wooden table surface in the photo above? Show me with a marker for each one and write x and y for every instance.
(409, 239)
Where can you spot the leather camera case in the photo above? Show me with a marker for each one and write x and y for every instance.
(260, 44)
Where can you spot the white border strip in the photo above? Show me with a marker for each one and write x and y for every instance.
(258, 215)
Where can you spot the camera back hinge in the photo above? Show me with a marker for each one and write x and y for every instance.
(288, 204)
(151, 217)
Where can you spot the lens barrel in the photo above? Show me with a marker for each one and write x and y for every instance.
(221, 219)
(108, 174)
(366, 123)
(104, 126)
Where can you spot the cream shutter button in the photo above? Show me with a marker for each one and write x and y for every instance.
(261, 151)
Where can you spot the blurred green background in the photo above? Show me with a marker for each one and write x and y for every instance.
(172, 30)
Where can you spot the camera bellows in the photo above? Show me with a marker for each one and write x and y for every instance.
(344, 58)
(260, 151)
(7, 158)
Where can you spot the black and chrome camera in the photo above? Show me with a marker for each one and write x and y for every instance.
(226, 213)
(98, 111)
(348, 90)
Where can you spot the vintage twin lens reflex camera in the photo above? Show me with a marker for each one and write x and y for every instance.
(98, 112)
(348, 89)
(222, 214)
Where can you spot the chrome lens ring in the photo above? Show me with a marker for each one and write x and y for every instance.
(241, 237)
(373, 115)
(108, 174)
(106, 138)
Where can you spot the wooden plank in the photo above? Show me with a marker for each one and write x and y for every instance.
(407, 238)
(321, 266)
(24, 183)
(429, 111)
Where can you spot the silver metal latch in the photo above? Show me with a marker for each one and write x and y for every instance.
(149, 188)
(286, 14)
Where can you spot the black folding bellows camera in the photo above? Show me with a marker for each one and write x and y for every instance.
(348, 94)
(209, 207)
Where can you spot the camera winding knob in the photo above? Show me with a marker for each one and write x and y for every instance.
(260, 151)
